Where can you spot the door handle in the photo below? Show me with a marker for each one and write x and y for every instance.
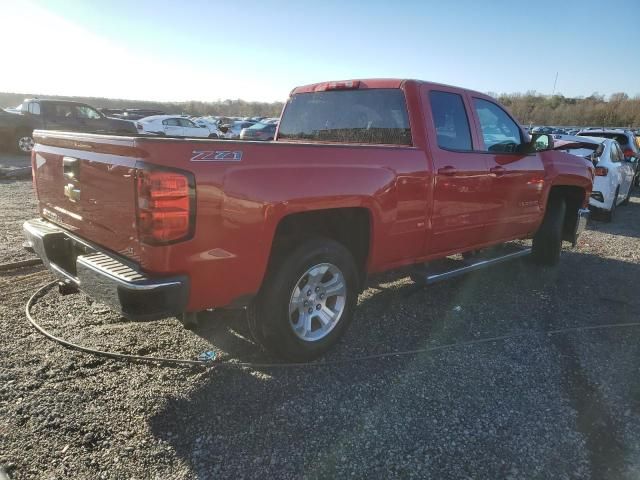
(498, 171)
(448, 170)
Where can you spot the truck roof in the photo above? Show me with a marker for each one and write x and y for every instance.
(373, 83)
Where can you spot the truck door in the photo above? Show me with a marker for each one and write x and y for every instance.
(516, 178)
(462, 182)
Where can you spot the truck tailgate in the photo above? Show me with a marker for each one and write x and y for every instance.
(88, 187)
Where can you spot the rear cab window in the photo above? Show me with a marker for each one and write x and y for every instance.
(363, 116)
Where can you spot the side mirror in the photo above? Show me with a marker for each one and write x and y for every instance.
(541, 142)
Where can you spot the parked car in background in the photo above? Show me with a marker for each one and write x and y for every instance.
(259, 131)
(233, 130)
(209, 123)
(17, 125)
(129, 113)
(614, 173)
(542, 130)
(627, 141)
(172, 126)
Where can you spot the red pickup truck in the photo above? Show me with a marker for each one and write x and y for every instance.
(363, 176)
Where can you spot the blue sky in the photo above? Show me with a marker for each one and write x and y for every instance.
(259, 50)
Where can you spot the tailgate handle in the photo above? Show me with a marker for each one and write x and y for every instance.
(71, 168)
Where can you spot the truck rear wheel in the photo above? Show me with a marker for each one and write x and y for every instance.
(547, 241)
(306, 302)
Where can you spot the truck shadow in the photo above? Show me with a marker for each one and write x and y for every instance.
(290, 422)
(624, 221)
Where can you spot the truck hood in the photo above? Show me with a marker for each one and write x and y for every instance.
(9, 111)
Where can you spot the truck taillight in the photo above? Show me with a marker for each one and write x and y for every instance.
(166, 206)
(344, 85)
(601, 171)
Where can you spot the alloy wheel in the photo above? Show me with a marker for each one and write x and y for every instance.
(317, 302)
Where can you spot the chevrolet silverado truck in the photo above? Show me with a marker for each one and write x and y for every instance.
(17, 125)
(364, 176)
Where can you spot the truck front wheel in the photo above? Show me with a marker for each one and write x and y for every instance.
(307, 301)
(547, 241)
(23, 142)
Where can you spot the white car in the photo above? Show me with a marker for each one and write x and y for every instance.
(614, 175)
(172, 126)
(209, 123)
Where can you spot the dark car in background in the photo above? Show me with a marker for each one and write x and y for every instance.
(17, 125)
(259, 131)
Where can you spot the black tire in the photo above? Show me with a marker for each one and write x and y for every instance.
(610, 214)
(547, 242)
(268, 316)
(23, 142)
(626, 199)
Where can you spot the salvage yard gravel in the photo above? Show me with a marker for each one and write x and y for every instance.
(534, 406)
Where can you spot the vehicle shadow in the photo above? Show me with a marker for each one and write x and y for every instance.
(624, 219)
(316, 422)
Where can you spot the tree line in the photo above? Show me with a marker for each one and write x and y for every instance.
(223, 107)
(618, 110)
(529, 108)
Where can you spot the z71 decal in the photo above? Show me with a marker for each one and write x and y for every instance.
(216, 156)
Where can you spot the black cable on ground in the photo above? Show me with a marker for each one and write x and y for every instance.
(377, 356)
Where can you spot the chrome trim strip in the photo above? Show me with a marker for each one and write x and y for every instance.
(475, 266)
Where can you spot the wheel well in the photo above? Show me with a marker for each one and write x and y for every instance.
(348, 226)
(574, 198)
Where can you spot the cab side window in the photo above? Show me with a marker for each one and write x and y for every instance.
(500, 133)
(63, 111)
(450, 120)
(85, 112)
(34, 108)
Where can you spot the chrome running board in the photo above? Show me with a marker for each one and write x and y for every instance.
(470, 266)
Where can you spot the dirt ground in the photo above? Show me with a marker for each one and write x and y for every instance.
(535, 405)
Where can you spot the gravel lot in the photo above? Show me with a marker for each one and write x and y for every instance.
(535, 406)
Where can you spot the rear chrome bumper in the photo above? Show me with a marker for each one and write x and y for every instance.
(104, 276)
